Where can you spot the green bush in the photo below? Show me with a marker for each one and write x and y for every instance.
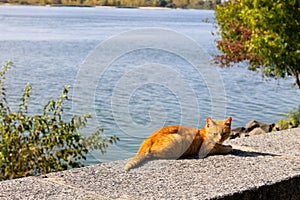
(282, 124)
(292, 119)
(31, 145)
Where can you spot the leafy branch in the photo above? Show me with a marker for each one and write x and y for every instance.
(42, 143)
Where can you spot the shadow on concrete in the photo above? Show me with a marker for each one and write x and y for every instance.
(241, 153)
(235, 152)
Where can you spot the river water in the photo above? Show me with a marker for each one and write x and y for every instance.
(135, 70)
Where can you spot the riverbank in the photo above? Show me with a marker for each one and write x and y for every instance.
(101, 7)
(144, 8)
(106, 7)
(262, 166)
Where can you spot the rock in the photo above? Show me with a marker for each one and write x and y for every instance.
(237, 132)
(244, 135)
(252, 125)
(256, 124)
(256, 131)
(252, 128)
(268, 127)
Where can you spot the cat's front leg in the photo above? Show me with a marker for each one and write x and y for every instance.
(206, 147)
(221, 149)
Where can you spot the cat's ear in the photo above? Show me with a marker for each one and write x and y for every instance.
(228, 121)
(209, 122)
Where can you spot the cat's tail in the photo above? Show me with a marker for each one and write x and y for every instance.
(136, 160)
(142, 155)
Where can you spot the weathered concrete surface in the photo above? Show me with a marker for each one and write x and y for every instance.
(261, 167)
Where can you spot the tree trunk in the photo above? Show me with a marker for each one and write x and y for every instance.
(297, 80)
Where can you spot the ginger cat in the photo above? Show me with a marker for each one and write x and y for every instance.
(172, 142)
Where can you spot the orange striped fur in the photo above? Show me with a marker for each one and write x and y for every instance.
(172, 142)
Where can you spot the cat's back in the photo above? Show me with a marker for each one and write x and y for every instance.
(173, 135)
(174, 130)
(169, 141)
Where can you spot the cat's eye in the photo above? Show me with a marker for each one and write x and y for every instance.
(227, 123)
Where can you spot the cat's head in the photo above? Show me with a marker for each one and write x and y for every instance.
(218, 129)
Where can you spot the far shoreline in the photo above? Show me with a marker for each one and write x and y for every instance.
(142, 7)
(103, 7)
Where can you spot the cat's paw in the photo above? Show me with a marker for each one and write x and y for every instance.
(228, 148)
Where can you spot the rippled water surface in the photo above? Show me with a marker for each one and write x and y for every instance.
(139, 90)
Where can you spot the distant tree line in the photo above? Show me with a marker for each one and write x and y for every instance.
(200, 4)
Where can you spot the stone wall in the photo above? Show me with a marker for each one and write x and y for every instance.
(263, 166)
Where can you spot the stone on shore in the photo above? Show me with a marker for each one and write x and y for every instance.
(252, 128)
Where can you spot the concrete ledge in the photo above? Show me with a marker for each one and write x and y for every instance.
(261, 167)
(285, 189)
